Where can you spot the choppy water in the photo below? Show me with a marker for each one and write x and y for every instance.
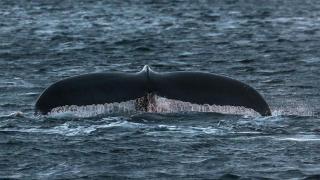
(271, 45)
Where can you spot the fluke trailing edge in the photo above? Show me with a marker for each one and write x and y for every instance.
(193, 87)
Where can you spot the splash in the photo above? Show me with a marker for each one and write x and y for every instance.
(94, 110)
(157, 105)
(172, 106)
(294, 108)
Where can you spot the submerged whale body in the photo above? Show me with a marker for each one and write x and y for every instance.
(193, 87)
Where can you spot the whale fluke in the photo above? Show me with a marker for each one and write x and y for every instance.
(193, 87)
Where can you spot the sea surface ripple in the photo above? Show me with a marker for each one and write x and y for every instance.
(272, 45)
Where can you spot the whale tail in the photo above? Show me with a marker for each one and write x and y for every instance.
(193, 87)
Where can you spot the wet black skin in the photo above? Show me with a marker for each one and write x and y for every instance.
(193, 87)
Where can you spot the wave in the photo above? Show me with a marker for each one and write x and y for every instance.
(301, 138)
(75, 129)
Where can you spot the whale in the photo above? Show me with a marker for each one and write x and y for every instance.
(110, 87)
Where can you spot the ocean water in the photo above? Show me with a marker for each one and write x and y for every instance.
(271, 45)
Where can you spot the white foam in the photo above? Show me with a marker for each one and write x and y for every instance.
(301, 138)
(191, 130)
(14, 114)
(67, 129)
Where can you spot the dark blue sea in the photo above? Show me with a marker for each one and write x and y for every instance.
(274, 46)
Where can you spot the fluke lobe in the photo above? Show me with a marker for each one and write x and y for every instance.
(193, 87)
